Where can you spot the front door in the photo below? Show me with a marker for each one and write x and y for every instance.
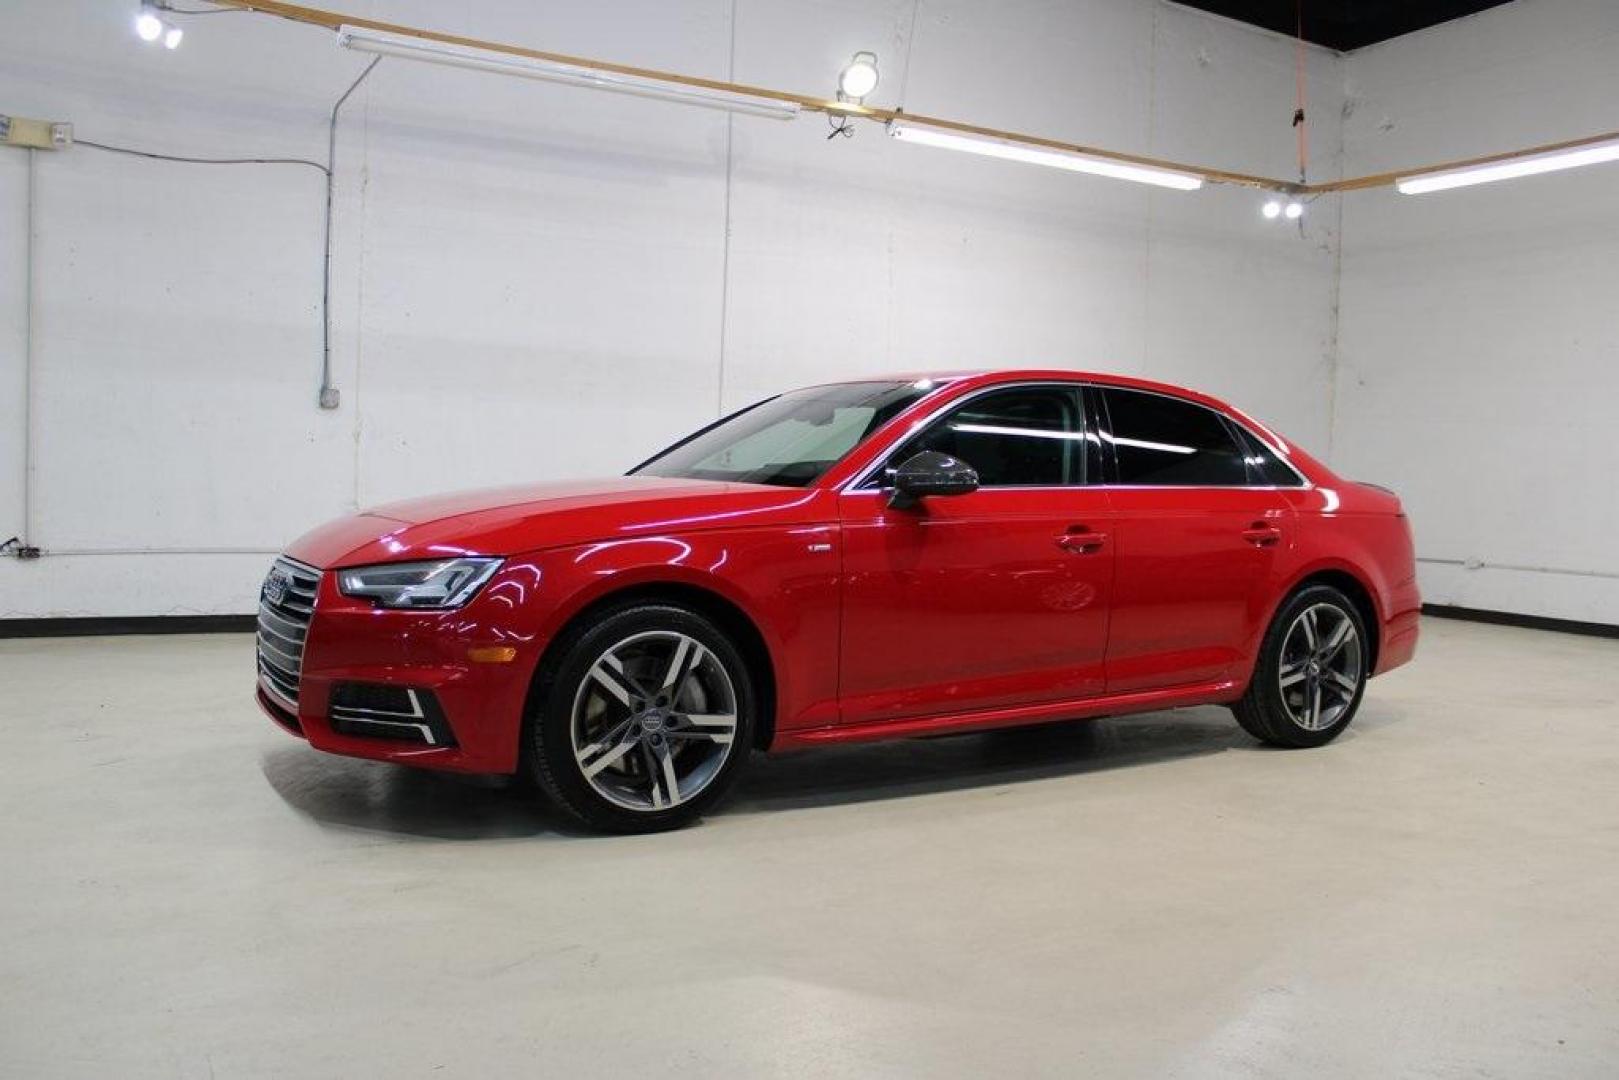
(994, 598)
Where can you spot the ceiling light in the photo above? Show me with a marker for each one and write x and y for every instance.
(172, 36)
(859, 77)
(430, 51)
(1271, 209)
(1527, 165)
(1294, 211)
(148, 26)
(910, 131)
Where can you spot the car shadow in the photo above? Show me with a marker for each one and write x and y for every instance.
(840, 775)
(395, 799)
(379, 797)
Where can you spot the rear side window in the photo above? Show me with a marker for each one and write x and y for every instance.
(1163, 441)
(1027, 436)
(1264, 467)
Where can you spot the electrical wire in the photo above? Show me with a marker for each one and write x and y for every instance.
(328, 397)
(1299, 124)
(910, 47)
(198, 160)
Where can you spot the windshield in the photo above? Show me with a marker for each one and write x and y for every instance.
(789, 440)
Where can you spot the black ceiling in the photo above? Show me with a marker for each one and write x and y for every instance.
(1344, 24)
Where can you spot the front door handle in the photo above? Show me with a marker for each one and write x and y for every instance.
(1261, 534)
(1081, 541)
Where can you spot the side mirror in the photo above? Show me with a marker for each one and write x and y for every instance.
(931, 473)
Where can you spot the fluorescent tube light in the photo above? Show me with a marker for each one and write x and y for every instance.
(907, 131)
(1529, 165)
(528, 67)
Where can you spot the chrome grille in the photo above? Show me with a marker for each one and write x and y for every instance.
(286, 604)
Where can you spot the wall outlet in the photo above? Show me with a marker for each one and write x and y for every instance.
(21, 132)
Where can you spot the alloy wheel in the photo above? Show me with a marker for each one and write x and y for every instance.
(1320, 670)
(654, 721)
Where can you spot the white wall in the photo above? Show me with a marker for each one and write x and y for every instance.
(535, 281)
(1479, 346)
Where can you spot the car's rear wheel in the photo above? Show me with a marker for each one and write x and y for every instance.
(643, 720)
(1311, 671)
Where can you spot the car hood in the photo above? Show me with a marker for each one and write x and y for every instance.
(506, 521)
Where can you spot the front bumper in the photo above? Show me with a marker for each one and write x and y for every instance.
(480, 701)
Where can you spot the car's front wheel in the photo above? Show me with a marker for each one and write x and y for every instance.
(643, 719)
(1311, 671)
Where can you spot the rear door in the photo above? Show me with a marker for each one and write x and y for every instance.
(1200, 534)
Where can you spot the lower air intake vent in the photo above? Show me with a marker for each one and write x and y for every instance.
(383, 711)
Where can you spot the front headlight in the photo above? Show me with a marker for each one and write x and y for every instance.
(442, 583)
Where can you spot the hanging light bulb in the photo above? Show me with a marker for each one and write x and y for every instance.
(171, 37)
(1294, 211)
(1271, 209)
(148, 27)
(859, 77)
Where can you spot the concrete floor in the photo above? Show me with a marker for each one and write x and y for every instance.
(188, 892)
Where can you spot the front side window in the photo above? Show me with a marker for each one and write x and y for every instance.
(787, 441)
(1029, 436)
(1167, 442)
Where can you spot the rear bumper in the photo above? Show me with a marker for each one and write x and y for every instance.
(1400, 628)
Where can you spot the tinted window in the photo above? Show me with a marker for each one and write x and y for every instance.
(1165, 441)
(788, 440)
(1264, 467)
(1023, 437)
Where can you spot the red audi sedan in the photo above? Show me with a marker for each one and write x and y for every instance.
(863, 560)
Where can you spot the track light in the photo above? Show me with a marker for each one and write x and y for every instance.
(430, 51)
(910, 131)
(1512, 167)
(858, 77)
(149, 26)
(1293, 209)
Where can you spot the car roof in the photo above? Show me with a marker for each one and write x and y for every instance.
(991, 376)
(965, 381)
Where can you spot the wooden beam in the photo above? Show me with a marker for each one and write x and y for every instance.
(332, 20)
(1385, 179)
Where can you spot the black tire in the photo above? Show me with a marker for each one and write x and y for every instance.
(1283, 716)
(571, 680)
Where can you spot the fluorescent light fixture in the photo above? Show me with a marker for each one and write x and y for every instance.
(430, 51)
(909, 131)
(1511, 168)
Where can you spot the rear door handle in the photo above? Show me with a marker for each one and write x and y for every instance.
(1081, 541)
(1261, 534)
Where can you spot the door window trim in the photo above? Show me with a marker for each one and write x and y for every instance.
(1233, 427)
(1093, 406)
(859, 484)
